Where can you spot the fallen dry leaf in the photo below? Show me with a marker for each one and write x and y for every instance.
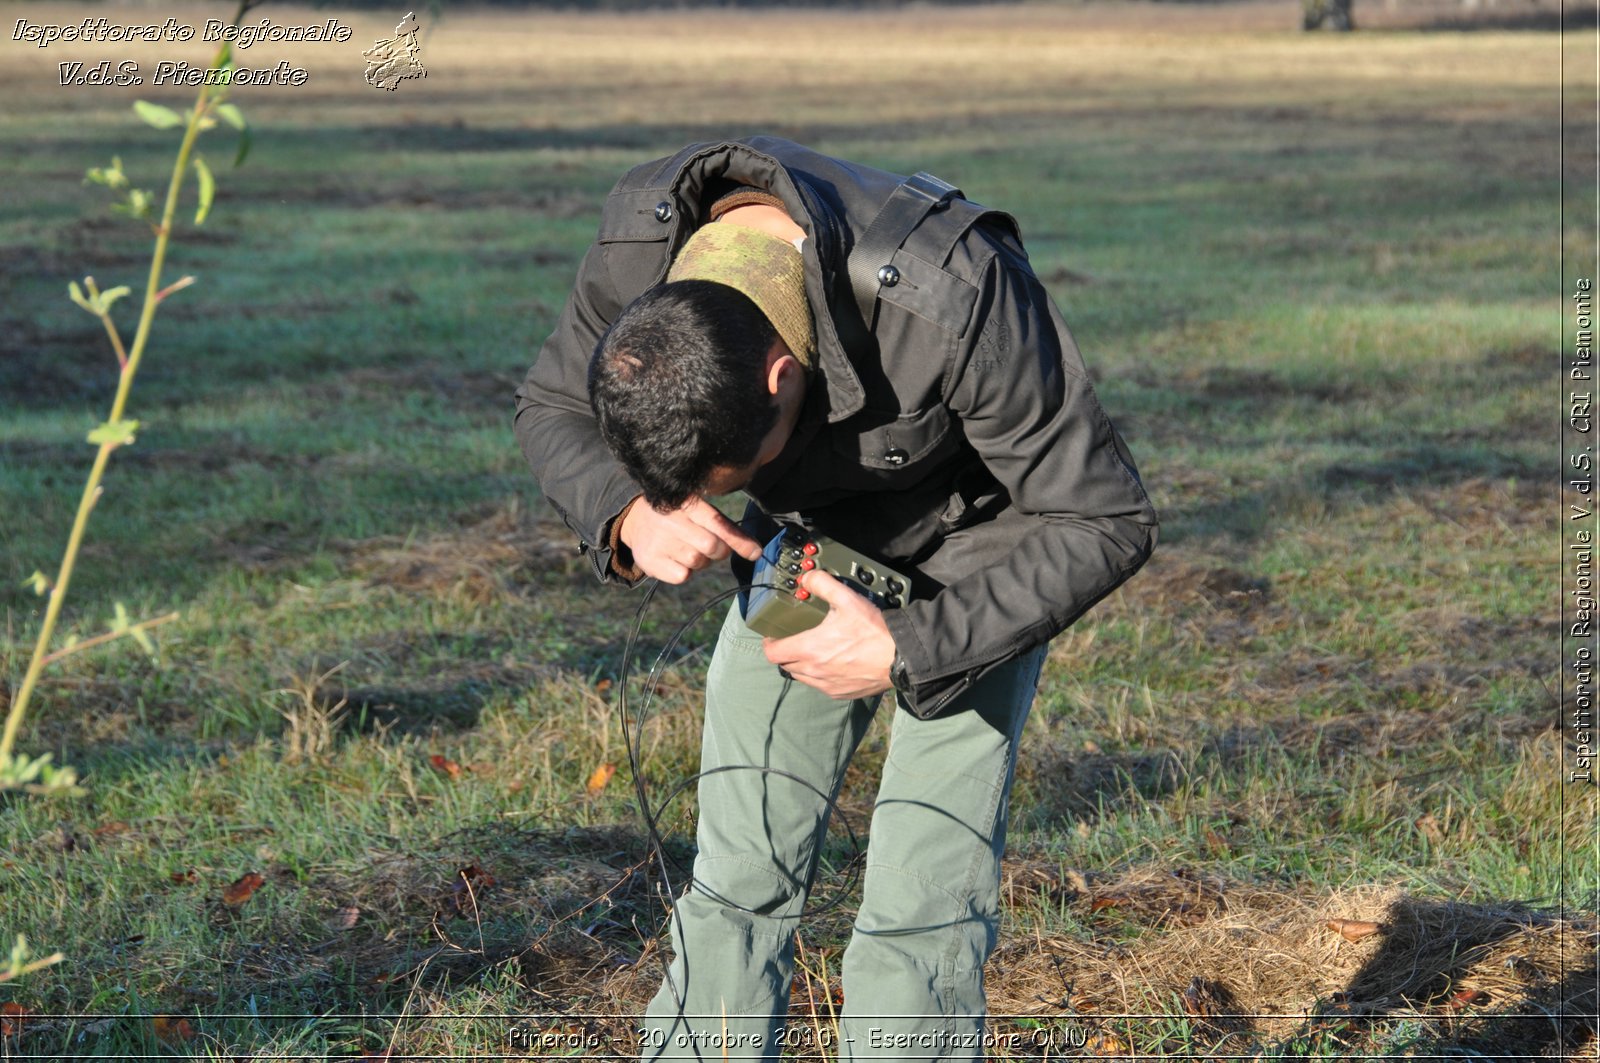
(599, 777)
(1469, 998)
(170, 1029)
(445, 766)
(1428, 824)
(470, 883)
(475, 875)
(344, 918)
(602, 687)
(185, 878)
(1353, 929)
(114, 827)
(1108, 1044)
(1100, 904)
(242, 889)
(11, 1016)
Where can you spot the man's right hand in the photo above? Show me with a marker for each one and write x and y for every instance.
(674, 545)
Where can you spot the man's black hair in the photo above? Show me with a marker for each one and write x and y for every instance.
(678, 386)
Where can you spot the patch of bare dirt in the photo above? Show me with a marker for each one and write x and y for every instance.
(1169, 584)
(424, 197)
(472, 388)
(494, 558)
(1084, 785)
(1224, 383)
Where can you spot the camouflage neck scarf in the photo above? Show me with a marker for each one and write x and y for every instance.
(766, 268)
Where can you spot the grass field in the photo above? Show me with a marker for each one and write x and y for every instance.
(1318, 279)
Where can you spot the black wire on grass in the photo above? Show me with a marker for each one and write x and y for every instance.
(652, 818)
(657, 845)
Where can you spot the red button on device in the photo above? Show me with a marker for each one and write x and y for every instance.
(808, 549)
(808, 564)
(802, 594)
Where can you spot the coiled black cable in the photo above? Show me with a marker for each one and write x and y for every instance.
(657, 852)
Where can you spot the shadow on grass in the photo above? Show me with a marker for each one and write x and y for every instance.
(1388, 473)
(1484, 982)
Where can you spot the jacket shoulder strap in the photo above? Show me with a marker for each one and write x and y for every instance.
(903, 211)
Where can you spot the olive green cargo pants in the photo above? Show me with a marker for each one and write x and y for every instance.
(930, 908)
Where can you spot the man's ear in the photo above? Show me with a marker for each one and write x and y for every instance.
(783, 370)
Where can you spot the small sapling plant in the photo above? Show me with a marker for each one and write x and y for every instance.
(35, 774)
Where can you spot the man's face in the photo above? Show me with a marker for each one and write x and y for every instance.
(726, 479)
(786, 381)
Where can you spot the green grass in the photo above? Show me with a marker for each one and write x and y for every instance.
(1318, 285)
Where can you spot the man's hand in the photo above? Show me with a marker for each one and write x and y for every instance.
(848, 655)
(673, 546)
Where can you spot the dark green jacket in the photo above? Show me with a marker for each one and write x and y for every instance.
(955, 435)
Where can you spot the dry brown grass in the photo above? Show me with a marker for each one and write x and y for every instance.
(1159, 948)
(495, 557)
(1268, 963)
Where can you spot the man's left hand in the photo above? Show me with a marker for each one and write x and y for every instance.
(848, 655)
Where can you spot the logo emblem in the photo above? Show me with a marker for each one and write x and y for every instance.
(392, 61)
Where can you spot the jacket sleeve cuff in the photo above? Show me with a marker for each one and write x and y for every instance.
(917, 690)
(601, 544)
(621, 563)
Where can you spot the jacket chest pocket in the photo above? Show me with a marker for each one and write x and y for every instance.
(635, 240)
(893, 452)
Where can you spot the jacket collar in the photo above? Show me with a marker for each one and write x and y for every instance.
(838, 392)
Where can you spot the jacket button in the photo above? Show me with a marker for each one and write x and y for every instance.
(888, 276)
(895, 456)
(663, 212)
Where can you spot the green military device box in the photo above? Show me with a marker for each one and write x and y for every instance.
(778, 605)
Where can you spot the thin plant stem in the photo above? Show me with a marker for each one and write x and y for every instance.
(130, 366)
(32, 966)
(143, 625)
